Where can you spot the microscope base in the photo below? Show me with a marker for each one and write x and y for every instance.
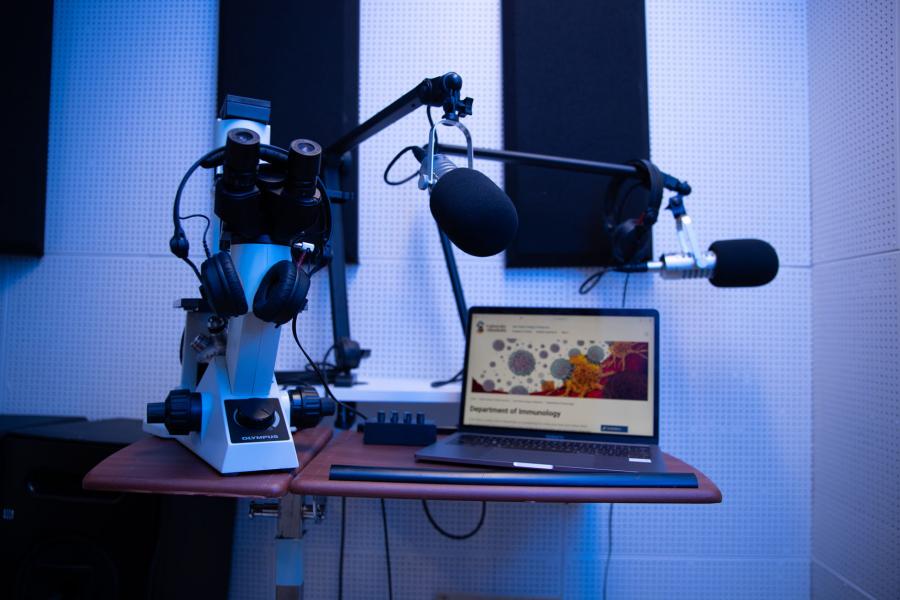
(225, 440)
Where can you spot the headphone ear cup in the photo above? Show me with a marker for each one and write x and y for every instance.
(629, 240)
(221, 286)
(281, 293)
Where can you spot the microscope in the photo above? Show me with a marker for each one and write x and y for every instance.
(273, 221)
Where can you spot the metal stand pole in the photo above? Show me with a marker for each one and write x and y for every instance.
(289, 549)
(455, 282)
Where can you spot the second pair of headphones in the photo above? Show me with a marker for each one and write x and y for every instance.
(630, 238)
(280, 296)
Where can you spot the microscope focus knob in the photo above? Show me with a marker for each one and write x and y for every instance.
(256, 413)
(308, 408)
(182, 412)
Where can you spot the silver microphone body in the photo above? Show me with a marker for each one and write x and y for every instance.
(727, 263)
(684, 266)
(442, 166)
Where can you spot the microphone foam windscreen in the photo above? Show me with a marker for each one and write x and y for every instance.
(475, 214)
(743, 263)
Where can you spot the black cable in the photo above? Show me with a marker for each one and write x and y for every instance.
(320, 235)
(205, 230)
(609, 540)
(391, 164)
(455, 536)
(320, 375)
(206, 161)
(454, 379)
(341, 554)
(387, 550)
(327, 352)
(176, 205)
(322, 364)
(609, 527)
(588, 284)
(324, 234)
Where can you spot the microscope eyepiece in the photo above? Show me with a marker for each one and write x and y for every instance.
(243, 136)
(304, 160)
(241, 159)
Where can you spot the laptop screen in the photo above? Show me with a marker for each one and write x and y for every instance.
(575, 373)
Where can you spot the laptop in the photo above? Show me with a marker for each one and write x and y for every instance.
(558, 389)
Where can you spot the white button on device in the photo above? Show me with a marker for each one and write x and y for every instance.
(525, 465)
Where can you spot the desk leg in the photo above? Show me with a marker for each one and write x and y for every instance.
(289, 549)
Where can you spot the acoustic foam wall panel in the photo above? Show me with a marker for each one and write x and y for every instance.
(27, 105)
(574, 84)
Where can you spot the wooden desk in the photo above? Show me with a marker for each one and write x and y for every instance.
(348, 449)
(162, 466)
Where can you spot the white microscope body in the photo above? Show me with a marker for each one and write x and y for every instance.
(229, 441)
(232, 415)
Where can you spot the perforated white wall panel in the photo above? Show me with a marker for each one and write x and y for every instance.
(88, 329)
(853, 140)
(856, 525)
(855, 167)
(728, 100)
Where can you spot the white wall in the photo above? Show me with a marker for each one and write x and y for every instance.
(88, 329)
(854, 70)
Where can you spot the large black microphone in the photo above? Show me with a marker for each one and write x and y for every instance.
(728, 263)
(477, 216)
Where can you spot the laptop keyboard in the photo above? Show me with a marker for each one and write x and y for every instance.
(545, 445)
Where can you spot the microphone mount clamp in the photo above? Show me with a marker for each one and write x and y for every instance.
(687, 239)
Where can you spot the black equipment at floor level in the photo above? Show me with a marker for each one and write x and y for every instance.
(11, 423)
(61, 541)
(472, 477)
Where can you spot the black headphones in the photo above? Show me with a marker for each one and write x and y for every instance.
(283, 289)
(630, 238)
(280, 296)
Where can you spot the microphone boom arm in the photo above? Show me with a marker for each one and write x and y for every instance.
(564, 163)
(443, 92)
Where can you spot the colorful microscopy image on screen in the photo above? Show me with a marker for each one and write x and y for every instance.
(585, 368)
